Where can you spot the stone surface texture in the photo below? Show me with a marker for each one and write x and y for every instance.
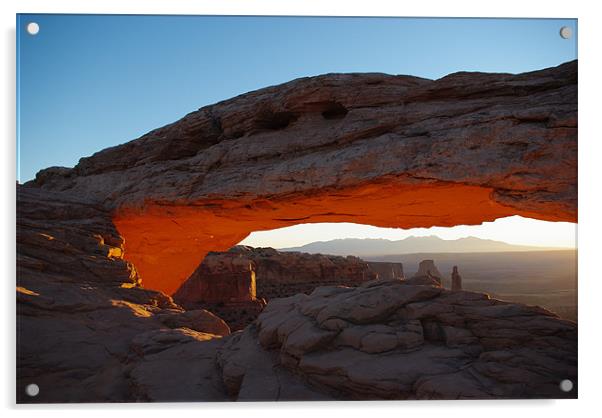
(393, 340)
(86, 330)
(385, 150)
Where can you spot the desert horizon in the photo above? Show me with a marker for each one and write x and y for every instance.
(414, 244)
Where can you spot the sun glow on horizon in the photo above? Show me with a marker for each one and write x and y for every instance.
(512, 230)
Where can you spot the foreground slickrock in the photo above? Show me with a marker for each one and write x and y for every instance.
(385, 150)
(86, 331)
(393, 340)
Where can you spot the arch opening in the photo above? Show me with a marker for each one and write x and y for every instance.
(167, 243)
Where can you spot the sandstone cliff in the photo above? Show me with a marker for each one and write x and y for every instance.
(229, 283)
(221, 278)
(386, 270)
(279, 274)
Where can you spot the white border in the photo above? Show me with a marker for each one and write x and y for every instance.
(457, 8)
(590, 155)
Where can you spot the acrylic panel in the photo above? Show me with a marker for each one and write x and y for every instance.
(248, 208)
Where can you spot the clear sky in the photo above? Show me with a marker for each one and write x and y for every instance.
(87, 82)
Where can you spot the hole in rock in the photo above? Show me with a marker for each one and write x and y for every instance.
(334, 110)
(275, 120)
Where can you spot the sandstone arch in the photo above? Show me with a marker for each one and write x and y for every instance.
(393, 151)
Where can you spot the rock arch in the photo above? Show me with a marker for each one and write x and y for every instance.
(391, 151)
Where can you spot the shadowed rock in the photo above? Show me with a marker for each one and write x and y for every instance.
(220, 278)
(86, 331)
(391, 340)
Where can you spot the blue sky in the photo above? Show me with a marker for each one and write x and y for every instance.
(87, 82)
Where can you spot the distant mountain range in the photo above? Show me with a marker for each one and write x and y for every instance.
(410, 245)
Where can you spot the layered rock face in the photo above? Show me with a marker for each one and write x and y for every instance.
(393, 340)
(385, 270)
(391, 151)
(221, 282)
(224, 283)
(86, 331)
(245, 273)
(221, 277)
(282, 274)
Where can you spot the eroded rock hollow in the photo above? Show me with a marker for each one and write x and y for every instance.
(391, 151)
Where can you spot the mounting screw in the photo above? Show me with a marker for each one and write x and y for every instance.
(566, 385)
(32, 390)
(565, 32)
(33, 28)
